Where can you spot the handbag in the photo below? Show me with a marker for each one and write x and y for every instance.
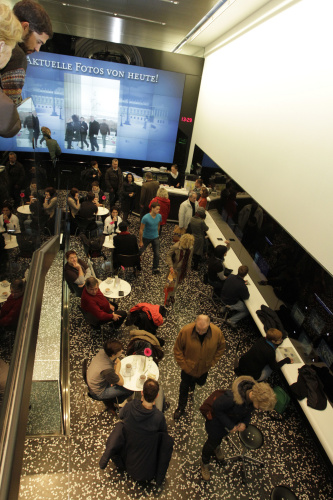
(10, 123)
(207, 406)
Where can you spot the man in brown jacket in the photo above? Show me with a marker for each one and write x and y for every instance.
(148, 192)
(198, 347)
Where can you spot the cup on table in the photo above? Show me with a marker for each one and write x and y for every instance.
(141, 381)
(109, 281)
(128, 368)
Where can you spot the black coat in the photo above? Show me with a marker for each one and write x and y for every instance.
(125, 244)
(270, 319)
(309, 385)
(93, 128)
(261, 354)
(127, 202)
(140, 444)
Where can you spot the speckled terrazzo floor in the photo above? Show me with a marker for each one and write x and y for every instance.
(61, 467)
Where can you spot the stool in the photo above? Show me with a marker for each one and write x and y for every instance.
(282, 493)
(251, 439)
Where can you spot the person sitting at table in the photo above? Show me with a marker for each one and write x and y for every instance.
(112, 222)
(216, 267)
(94, 303)
(98, 193)
(30, 191)
(140, 444)
(103, 375)
(203, 198)
(49, 206)
(76, 272)
(125, 243)
(162, 198)
(8, 221)
(175, 178)
(10, 311)
(187, 210)
(73, 202)
(259, 361)
(234, 292)
(88, 208)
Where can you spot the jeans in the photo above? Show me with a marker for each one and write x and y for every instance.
(209, 448)
(156, 250)
(188, 382)
(93, 143)
(241, 309)
(113, 392)
(266, 372)
(84, 140)
(104, 140)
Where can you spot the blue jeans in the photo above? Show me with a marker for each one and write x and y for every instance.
(241, 309)
(156, 250)
(113, 392)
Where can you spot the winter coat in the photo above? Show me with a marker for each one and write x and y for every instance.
(164, 207)
(114, 179)
(270, 319)
(232, 408)
(140, 444)
(198, 228)
(196, 358)
(175, 256)
(309, 385)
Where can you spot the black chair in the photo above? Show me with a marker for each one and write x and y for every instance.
(282, 493)
(86, 226)
(251, 439)
(127, 261)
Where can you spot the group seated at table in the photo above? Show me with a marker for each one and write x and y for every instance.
(97, 307)
(11, 308)
(140, 444)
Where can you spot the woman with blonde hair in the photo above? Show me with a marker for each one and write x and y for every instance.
(10, 33)
(179, 259)
(162, 197)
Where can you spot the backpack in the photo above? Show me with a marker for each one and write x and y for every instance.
(207, 406)
(282, 401)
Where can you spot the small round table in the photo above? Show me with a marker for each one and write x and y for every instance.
(10, 241)
(108, 242)
(141, 365)
(102, 211)
(24, 209)
(114, 291)
(4, 292)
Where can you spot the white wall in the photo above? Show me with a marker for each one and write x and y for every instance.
(265, 115)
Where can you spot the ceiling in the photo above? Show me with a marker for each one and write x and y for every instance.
(155, 24)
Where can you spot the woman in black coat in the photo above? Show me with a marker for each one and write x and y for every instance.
(128, 196)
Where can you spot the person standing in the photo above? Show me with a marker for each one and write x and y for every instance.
(128, 195)
(148, 191)
(187, 210)
(179, 259)
(105, 130)
(93, 133)
(16, 177)
(162, 197)
(198, 347)
(198, 228)
(51, 144)
(114, 181)
(83, 132)
(175, 179)
(149, 231)
(231, 412)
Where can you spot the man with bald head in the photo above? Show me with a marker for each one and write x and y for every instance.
(198, 347)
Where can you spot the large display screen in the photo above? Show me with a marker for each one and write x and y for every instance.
(100, 108)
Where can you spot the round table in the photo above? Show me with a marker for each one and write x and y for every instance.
(114, 292)
(24, 209)
(102, 211)
(10, 241)
(141, 365)
(4, 292)
(108, 242)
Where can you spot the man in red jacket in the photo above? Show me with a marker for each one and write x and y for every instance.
(10, 311)
(94, 303)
